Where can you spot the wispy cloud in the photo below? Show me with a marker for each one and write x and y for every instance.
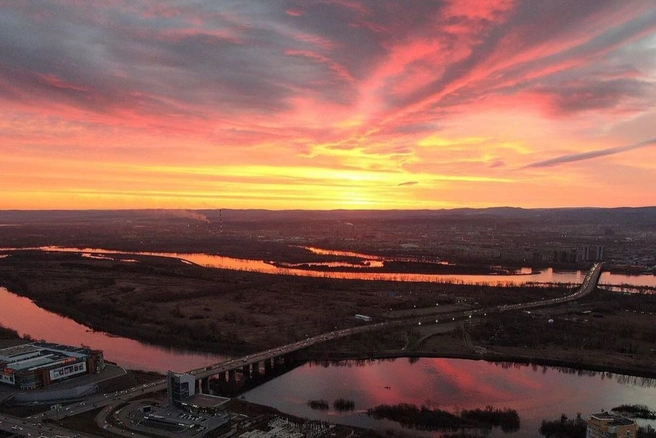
(570, 158)
(445, 96)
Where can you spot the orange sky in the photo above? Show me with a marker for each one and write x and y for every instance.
(327, 104)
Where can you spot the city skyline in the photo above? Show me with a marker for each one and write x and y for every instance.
(327, 104)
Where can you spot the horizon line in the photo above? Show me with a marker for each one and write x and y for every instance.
(2, 210)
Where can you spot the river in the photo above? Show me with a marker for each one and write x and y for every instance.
(21, 314)
(450, 384)
(217, 261)
(536, 392)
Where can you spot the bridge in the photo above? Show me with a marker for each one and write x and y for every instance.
(271, 359)
(268, 360)
(589, 284)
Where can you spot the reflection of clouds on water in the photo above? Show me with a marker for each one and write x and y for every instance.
(431, 370)
(536, 392)
(21, 314)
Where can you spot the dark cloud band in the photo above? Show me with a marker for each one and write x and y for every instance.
(590, 155)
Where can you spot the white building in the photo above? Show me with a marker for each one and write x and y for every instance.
(180, 387)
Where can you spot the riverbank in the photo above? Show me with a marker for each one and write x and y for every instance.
(167, 302)
(453, 385)
(615, 338)
(170, 303)
(641, 371)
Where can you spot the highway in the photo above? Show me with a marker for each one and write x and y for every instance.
(101, 400)
(589, 284)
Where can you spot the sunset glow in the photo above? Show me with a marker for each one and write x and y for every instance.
(327, 104)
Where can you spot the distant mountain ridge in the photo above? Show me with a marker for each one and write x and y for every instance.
(617, 215)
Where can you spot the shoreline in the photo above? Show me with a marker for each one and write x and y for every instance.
(629, 370)
(632, 371)
(313, 265)
(97, 317)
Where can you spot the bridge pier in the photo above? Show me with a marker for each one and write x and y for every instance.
(218, 383)
(267, 366)
(204, 385)
(232, 376)
(277, 362)
(246, 371)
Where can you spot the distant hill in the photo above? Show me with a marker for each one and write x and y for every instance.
(639, 216)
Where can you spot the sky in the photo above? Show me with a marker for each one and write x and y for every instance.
(345, 104)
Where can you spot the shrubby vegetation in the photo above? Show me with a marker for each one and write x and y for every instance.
(319, 404)
(166, 302)
(424, 418)
(7, 333)
(519, 329)
(342, 404)
(507, 419)
(409, 415)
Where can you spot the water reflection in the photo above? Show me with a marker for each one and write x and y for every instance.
(214, 261)
(536, 392)
(99, 257)
(370, 257)
(633, 280)
(524, 276)
(364, 264)
(331, 252)
(22, 315)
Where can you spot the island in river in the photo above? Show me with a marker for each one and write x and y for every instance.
(169, 302)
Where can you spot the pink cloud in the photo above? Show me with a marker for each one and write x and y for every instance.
(294, 12)
(339, 85)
